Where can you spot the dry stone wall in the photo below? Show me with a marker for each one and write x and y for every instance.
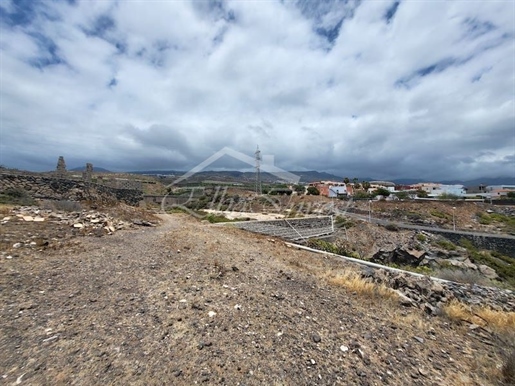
(43, 187)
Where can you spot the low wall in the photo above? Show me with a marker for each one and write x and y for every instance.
(44, 187)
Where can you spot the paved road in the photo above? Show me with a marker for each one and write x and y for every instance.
(428, 229)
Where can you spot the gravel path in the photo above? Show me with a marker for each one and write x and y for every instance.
(188, 302)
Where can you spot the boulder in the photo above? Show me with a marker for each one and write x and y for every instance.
(399, 256)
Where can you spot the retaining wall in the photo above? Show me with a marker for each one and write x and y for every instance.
(44, 187)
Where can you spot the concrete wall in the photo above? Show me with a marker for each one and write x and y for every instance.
(64, 189)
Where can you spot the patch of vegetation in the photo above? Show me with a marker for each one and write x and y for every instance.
(342, 221)
(442, 215)
(313, 191)
(490, 218)
(217, 218)
(327, 246)
(361, 195)
(355, 283)
(421, 238)
(447, 245)
(402, 195)
(392, 227)
(503, 265)
(380, 192)
(16, 197)
(448, 196)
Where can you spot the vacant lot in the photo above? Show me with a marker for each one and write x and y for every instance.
(188, 302)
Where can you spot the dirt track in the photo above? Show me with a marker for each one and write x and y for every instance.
(189, 302)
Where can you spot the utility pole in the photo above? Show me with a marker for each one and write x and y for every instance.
(258, 171)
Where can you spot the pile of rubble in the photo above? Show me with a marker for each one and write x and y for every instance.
(88, 221)
(30, 228)
(431, 295)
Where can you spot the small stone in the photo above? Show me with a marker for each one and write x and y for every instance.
(237, 307)
(8, 257)
(28, 218)
(78, 225)
(419, 339)
(211, 314)
(344, 348)
(39, 219)
(423, 371)
(17, 245)
(316, 338)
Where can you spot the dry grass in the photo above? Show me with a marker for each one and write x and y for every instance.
(353, 282)
(5, 209)
(499, 321)
(502, 327)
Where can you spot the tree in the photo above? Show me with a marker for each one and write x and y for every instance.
(299, 188)
(366, 185)
(402, 195)
(346, 180)
(381, 192)
(421, 193)
(312, 190)
(510, 195)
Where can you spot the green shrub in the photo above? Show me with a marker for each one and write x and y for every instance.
(16, 197)
(421, 237)
(446, 245)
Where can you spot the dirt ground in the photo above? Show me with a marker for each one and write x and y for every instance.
(188, 303)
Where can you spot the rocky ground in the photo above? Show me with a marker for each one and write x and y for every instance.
(188, 302)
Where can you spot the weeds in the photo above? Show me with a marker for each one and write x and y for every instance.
(421, 237)
(447, 245)
(353, 282)
(500, 324)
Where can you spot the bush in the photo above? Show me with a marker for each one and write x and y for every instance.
(16, 197)
(313, 191)
(448, 196)
(341, 221)
(392, 227)
(421, 237)
(446, 245)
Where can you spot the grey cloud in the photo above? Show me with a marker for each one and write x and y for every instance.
(168, 84)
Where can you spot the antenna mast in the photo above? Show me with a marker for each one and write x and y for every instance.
(258, 170)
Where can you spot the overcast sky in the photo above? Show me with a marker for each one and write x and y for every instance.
(381, 89)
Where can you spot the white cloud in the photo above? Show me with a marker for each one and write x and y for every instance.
(140, 85)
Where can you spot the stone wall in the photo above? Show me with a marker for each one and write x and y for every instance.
(502, 244)
(44, 187)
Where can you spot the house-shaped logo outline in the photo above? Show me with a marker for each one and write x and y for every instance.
(266, 167)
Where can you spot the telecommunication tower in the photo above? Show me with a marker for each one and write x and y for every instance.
(258, 170)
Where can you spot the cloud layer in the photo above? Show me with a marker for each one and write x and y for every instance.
(369, 89)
